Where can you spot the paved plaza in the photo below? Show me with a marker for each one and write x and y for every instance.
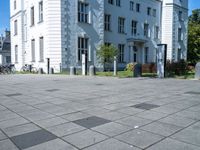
(57, 112)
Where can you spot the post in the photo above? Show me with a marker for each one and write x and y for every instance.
(115, 66)
(161, 60)
(84, 65)
(92, 70)
(48, 65)
(72, 71)
(197, 71)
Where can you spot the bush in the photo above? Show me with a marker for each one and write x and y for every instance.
(149, 68)
(177, 68)
(130, 66)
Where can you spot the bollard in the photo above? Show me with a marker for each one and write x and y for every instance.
(115, 66)
(51, 71)
(197, 71)
(92, 70)
(72, 71)
(40, 71)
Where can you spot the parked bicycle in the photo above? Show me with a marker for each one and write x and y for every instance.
(28, 69)
(7, 69)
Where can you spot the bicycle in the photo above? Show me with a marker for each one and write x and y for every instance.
(28, 68)
(7, 69)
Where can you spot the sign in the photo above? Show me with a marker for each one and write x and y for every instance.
(161, 60)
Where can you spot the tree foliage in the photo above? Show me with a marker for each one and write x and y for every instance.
(194, 37)
(106, 54)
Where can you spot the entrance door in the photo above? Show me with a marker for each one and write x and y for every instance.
(135, 51)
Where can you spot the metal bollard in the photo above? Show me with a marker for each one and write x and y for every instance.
(92, 70)
(40, 71)
(72, 71)
(51, 71)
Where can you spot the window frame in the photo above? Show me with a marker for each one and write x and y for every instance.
(41, 11)
(83, 47)
(121, 25)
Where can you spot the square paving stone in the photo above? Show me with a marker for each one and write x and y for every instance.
(50, 122)
(152, 115)
(33, 138)
(112, 129)
(112, 144)
(112, 115)
(161, 128)
(189, 135)
(170, 144)
(134, 122)
(145, 106)
(75, 116)
(91, 122)
(21, 129)
(139, 138)
(13, 122)
(7, 145)
(65, 129)
(56, 144)
(13, 95)
(178, 121)
(85, 138)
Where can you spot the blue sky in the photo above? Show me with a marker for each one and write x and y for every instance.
(4, 12)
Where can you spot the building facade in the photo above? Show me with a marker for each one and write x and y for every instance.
(5, 49)
(63, 30)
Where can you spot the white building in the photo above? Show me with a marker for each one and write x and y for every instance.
(62, 30)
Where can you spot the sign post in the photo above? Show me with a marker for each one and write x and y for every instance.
(161, 60)
(84, 70)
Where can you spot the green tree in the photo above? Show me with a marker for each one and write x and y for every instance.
(106, 54)
(194, 37)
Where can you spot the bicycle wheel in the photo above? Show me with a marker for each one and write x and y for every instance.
(34, 70)
(13, 69)
(23, 69)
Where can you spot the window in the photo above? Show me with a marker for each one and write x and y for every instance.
(41, 11)
(82, 47)
(118, 3)
(156, 32)
(83, 12)
(8, 59)
(16, 53)
(41, 49)
(154, 12)
(107, 22)
(121, 52)
(146, 53)
(15, 27)
(110, 2)
(15, 4)
(180, 15)
(121, 25)
(32, 16)
(134, 27)
(131, 5)
(33, 50)
(146, 30)
(137, 7)
(179, 34)
(149, 11)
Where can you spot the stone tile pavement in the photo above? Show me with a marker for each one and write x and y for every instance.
(39, 112)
